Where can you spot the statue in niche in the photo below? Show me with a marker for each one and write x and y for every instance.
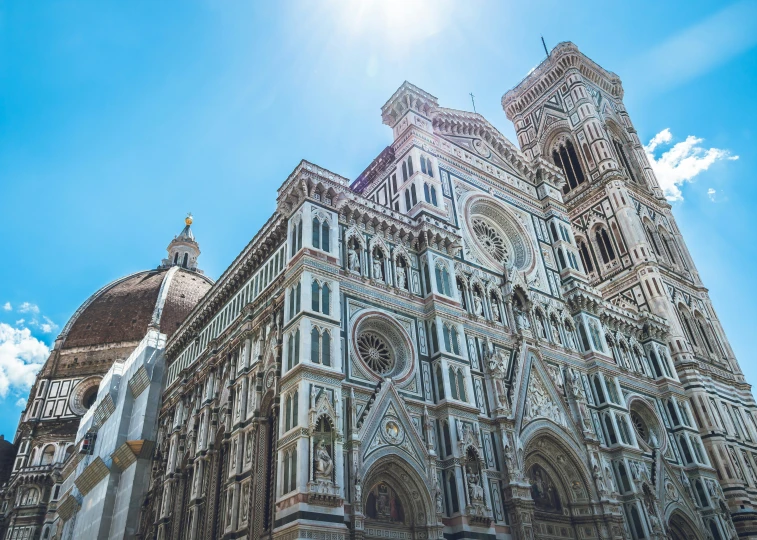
(478, 305)
(353, 256)
(475, 490)
(383, 504)
(378, 265)
(521, 320)
(496, 314)
(543, 491)
(401, 274)
(324, 465)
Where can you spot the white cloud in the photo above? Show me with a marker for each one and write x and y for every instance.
(48, 326)
(21, 403)
(684, 161)
(21, 357)
(7, 306)
(711, 194)
(20, 322)
(27, 307)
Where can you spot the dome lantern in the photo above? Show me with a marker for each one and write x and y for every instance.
(183, 249)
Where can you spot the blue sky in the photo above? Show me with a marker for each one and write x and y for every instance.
(118, 118)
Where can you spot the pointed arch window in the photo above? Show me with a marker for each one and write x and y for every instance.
(404, 171)
(624, 160)
(176, 258)
(413, 195)
(442, 280)
(408, 206)
(439, 382)
(453, 383)
(426, 192)
(315, 296)
(605, 245)
(566, 158)
(423, 165)
(326, 299)
(316, 233)
(410, 165)
(585, 256)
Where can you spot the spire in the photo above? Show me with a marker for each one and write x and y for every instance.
(183, 249)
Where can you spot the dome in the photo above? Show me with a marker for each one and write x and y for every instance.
(122, 311)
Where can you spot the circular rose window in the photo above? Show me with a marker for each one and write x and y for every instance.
(375, 352)
(491, 240)
(381, 346)
(495, 237)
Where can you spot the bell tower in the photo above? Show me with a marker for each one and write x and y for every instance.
(570, 112)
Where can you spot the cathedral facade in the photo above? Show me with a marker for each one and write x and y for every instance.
(470, 340)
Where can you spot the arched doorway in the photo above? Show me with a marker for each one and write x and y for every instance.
(396, 502)
(559, 488)
(681, 528)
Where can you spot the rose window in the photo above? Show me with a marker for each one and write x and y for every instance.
(490, 239)
(375, 352)
(640, 425)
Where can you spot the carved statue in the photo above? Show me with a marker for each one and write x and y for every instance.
(478, 306)
(475, 490)
(496, 315)
(324, 465)
(378, 267)
(401, 277)
(353, 259)
(521, 321)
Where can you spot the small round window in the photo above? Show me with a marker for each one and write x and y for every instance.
(89, 397)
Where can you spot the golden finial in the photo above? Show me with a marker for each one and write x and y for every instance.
(188, 219)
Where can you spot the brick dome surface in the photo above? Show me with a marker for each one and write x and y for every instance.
(121, 311)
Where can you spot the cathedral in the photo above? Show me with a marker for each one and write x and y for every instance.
(472, 339)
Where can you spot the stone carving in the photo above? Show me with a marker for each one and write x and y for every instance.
(401, 277)
(353, 258)
(324, 465)
(539, 403)
(475, 490)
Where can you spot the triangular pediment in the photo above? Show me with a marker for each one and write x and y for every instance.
(539, 398)
(388, 426)
(481, 150)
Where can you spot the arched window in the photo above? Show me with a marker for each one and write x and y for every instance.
(423, 165)
(454, 340)
(605, 245)
(561, 258)
(434, 338)
(598, 389)
(636, 520)
(290, 352)
(288, 414)
(404, 171)
(701, 495)
(618, 238)
(453, 383)
(673, 413)
(439, 382)
(413, 195)
(585, 257)
(326, 300)
(611, 437)
(185, 262)
(315, 346)
(442, 280)
(297, 295)
(427, 193)
(653, 240)
(326, 349)
(296, 347)
(685, 449)
(316, 233)
(48, 455)
(461, 386)
(176, 258)
(553, 230)
(408, 206)
(315, 296)
(410, 165)
(433, 195)
(325, 236)
(624, 160)
(445, 336)
(705, 335)
(565, 157)
(623, 428)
